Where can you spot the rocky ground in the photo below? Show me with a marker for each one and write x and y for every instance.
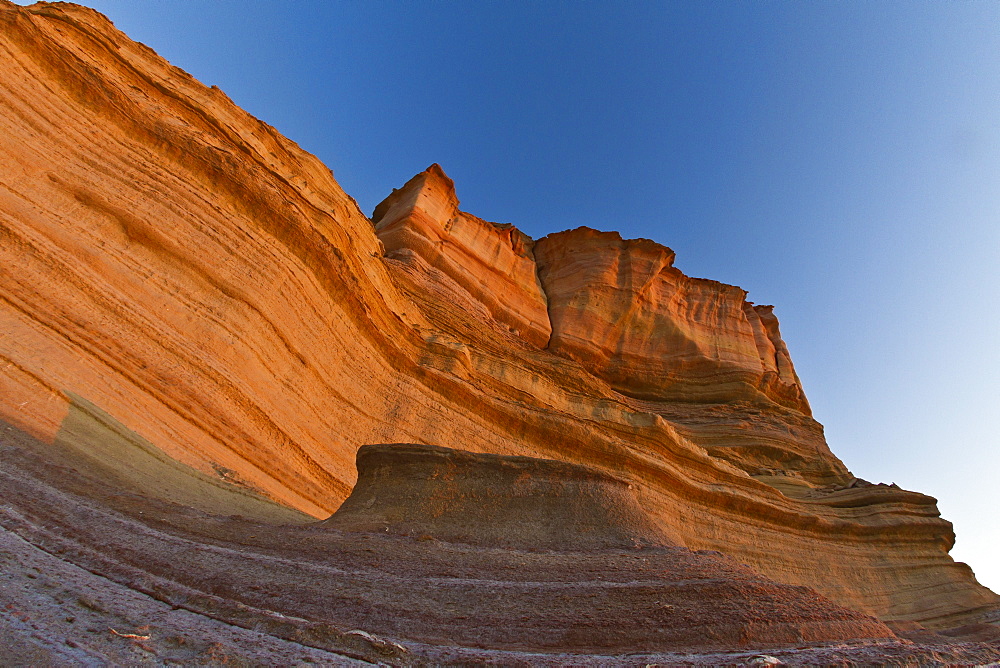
(57, 614)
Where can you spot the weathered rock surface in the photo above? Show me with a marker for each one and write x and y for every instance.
(359, 593)
(622, 310)
(208, 287)
(493, 500)
(491, 264)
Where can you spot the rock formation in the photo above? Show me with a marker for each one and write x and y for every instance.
(492, 264)
(354, 593)
(622, 310)
(205, 285)
(494, 500)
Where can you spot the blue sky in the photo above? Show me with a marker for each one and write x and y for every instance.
(838, 160)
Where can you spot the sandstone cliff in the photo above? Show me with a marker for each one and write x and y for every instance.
(201, 280)
(492, 264)
(623, 310)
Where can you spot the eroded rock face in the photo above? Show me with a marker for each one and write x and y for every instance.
(384, 596)
(177, 262)
(492, 263)
(493, 500)
(670, 344)
(207, 285)
(622, 309)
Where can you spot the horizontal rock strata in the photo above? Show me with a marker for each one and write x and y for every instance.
(493, 500)
(622, 309)
(361, 593)
(207, 285)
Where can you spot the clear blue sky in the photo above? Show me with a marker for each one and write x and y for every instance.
(839, 160)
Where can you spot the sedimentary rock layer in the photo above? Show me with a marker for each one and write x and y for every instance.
(624, 313)
(206, 284)
(178, 263)
(492, 264)
(493, 500)
(315, 584)
(622, 309)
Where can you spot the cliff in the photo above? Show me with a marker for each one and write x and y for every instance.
(208, 286)
(492, 264)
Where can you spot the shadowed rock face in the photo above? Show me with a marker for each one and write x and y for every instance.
(521, 502)
(207, 287)
(346, 585)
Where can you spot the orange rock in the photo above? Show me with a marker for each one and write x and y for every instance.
(622, 309)
(493, 263)
(198, 278)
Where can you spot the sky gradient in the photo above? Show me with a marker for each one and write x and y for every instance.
(838, 160)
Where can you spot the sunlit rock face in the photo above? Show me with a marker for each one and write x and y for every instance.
(179, 263)
(200, 280)
(622, 309)
(691, 350)
(493, 264)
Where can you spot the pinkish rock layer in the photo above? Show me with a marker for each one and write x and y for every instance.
(493, 500)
